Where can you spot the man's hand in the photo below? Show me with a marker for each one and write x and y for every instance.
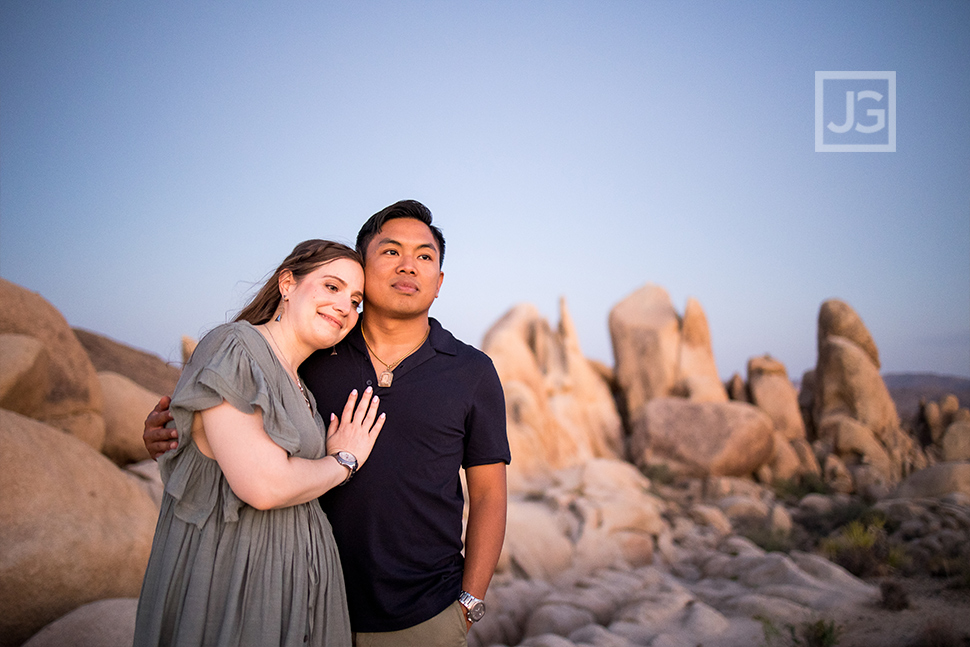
(156, 437)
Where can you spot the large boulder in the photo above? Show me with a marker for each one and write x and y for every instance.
(865, 458)
(658, 354)
(145, 369)
(559, 407)
(848, 382)
(786, 462)
(645, 331)
(599, 514)
(936, 481)
(697, 377)
(701, 438)
(773, 392)
(838, 319)
(537, 544)
(105, 623)
(955, 443)
(24, 372)
(73, 527)
(67, 395)
(851, 409)
(770, 389)
(126, 405)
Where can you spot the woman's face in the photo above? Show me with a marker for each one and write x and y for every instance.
(322, 306)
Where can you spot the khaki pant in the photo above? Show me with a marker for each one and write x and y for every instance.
(447, 629)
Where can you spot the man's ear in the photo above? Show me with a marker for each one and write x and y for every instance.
(441, 279)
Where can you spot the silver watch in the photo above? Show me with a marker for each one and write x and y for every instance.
(475, 607)
(348, 460)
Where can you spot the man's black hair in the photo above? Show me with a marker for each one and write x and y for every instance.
(403, 209)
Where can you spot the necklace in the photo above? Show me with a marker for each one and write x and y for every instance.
(290, 370)
(387, 376)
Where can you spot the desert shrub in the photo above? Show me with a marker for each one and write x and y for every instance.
(894, 596)
(820, 633)
(811, 633)
(863, 548)
(826, 522)
(955, 567)
(794, 489)
(952, 563)
(660, 473)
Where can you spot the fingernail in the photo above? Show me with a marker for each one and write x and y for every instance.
(369, 389)
(332, 417)
(375, 399)
(354, 392)
(382, 415)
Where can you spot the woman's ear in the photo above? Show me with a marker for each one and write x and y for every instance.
(287, 282)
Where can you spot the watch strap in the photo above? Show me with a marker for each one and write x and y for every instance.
(474, 607)
(349, 461)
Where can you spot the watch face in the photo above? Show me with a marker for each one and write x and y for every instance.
(476, 612)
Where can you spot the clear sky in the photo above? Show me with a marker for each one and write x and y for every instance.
(158, 159)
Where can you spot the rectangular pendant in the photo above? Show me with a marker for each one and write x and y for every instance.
(385, 379)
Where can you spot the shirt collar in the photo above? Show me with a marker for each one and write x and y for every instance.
(442, 341)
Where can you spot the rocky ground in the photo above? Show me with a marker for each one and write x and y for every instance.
(709, 584)
(937, 613)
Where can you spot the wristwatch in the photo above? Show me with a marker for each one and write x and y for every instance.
(348, 460)
(475, 607)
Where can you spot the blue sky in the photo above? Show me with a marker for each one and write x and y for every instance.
(158, 159)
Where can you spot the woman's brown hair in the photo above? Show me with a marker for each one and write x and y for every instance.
(305, 257)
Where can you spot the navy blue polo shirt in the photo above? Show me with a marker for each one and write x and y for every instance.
(398, 521)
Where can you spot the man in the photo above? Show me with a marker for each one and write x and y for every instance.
(398, 522)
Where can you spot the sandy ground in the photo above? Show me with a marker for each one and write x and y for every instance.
(938, 616)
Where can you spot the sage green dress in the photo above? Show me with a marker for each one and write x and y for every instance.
(221, 572)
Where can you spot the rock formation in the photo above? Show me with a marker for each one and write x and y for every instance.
(944, 429)
(55, 381)
(701, 438)
(560, 409)
(770, 389)
(73, 527)
(658, 354)
(144, 369)
(697, 377)
(596, 552)
(936, 481)
(105, 623)
(125, 406)
(772, 392)
(858, 433)
(599, 514)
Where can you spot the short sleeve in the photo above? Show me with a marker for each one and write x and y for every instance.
(230, 364)
(486, 436)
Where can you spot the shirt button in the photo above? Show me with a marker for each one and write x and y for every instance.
(370, 383)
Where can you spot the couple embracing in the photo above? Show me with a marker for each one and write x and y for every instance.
(244, 551)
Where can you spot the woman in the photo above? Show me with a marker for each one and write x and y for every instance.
(243, 554)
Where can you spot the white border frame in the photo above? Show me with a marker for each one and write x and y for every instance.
(821, 147)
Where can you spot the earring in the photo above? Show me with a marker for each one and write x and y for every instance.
(334, 351)
(280, 315)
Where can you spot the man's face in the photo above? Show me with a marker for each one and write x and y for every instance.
(402, 274)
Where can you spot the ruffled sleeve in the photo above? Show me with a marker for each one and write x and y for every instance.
(233, 364)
